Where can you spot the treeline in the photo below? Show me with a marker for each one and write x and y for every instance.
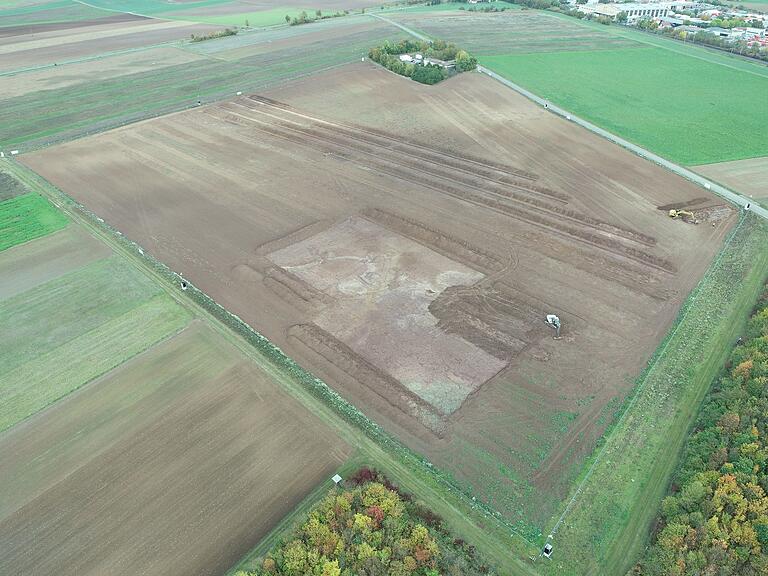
(305, 18)
(388, 55)
(213, 35)
(716, 519)
(740, 47)
(370, 528)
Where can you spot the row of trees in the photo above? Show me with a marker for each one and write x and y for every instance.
(305, 18)
(370, 529)
(388, 55)
(212, 35)
(741, 47)
(716, 519)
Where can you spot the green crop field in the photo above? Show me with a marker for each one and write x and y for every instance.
(63, 333)
(510, 32)
(639, 94)
(25, 217)
(261, 18)
(153, 7)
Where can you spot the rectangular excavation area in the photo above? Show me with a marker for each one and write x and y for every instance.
(382, 284)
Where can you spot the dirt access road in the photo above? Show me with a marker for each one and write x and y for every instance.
(385, 234)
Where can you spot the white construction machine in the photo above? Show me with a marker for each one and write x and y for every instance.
(554, 321)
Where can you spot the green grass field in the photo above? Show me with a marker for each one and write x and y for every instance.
(259, 19)
(26, 217)
(67, 331)
(640, 94)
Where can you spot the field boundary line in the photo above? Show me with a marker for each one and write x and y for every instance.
(403, 28)
(654, 363)
(132, 13)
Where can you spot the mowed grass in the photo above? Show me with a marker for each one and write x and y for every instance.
(26, 217)
(65, 332)
(609, 523)
(686, 109)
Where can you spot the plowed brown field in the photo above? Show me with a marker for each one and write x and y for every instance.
(405, 242)
(177, 462)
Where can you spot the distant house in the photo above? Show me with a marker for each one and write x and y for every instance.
(442, 63)
(635, 10)
(670, 22)
(717, 31)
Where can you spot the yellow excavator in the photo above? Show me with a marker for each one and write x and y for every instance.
(683, 214)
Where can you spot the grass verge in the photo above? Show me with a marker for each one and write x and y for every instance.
(607, 526)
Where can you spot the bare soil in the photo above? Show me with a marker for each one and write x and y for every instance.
(31, 30)
(250, 199)
(50, 50)
(749, 177)
(177, 462)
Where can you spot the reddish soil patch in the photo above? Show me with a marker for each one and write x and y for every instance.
(33, 29)
(551, 218)
(178, 462)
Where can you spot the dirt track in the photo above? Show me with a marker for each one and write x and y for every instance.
(553, 219)
(177, 462)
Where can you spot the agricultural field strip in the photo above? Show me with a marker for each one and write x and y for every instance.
(483, 527)
(114, 102)
(85, 36)
(60, 371)
(84, 71)
(379, 156)
(489, 34)
(201, 388)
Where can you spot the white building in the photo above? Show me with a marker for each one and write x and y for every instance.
(636, 10)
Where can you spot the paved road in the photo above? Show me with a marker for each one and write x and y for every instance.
(729, 195)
